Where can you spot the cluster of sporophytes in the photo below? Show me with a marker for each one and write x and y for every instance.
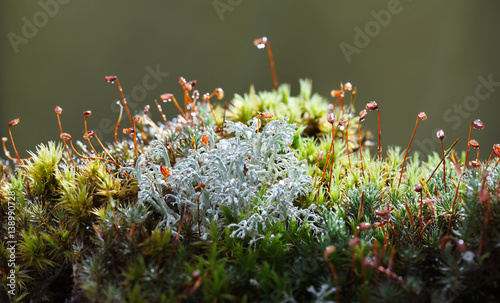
(277, 198)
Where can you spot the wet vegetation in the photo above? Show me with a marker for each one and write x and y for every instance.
(267, 198)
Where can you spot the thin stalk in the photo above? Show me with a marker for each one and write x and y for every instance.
(6, 152)
(118, 122)
(271, 63)
(260, 43)
(347, 146)
(360, 151)
(213, 114)
(87, 136)
(320, 157)
(105, 151)
(402, 224)
(328, 156)
(124, 101)
(13, 144)
(444, 166)
(85, 157)
(333, 157)
(489, 158)
(406, 154)
(379, 140)
(168, 97)
(410, 216)
(158, 106)
(443, 159)
(420, 217)
(135, 142)
(329, 250)
(360, 210)
(58, 111)
(467, 153)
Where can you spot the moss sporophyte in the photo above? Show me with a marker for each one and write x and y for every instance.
(271, 197)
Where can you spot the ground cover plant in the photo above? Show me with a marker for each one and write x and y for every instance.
(269, 198)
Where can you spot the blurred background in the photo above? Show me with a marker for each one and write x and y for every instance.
(440, 57)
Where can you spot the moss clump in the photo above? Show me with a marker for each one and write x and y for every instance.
(270, 211)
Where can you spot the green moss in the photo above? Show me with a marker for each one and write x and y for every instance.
(249, 214)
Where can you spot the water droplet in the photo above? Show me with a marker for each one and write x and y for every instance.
(260, 42)
(348, 86)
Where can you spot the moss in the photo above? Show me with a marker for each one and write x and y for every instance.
(269, 210)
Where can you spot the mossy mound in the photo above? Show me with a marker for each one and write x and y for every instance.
(281, 209)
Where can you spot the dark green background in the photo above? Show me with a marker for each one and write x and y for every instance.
(428, 58)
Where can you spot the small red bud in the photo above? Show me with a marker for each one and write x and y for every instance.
(418, 188)
(380, 224)
(165, 171)
(348, 86)
(337, 93)
(204, 140)
(475, 163)
(196, 274)
(128, 131)
(385, 213)
(87, 113)
(354, 242)
(110, 79)
(206, 96)
(474, 144)
(196, 94)
(330, 118)
(65, 136)
(362, 115)
(364, 226)
(461, 247)
(440, 134)
(89, 135)
(328, 251)
(371, 106)
(166, 97)
(321, 155)
(444, 241)
(187, 86)
(344, 121)
(182, 81)
(477, 124)
(219, 93)
(58, 110)
(266, 115)
(496, 149)
(260, 42)
(14, 122)
(422, 116)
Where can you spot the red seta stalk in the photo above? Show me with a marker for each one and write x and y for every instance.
(264, 42)
(422, 116)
